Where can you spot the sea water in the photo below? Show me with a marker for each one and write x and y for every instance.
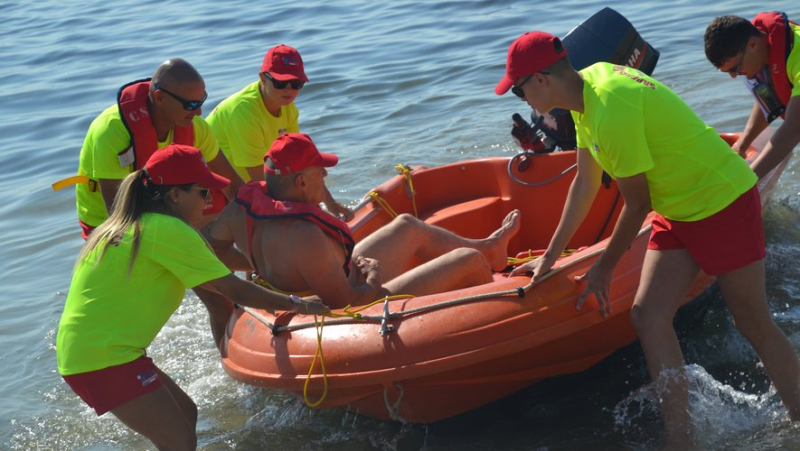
(406, 82)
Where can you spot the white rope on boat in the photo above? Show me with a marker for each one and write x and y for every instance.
(394, 408)
(520, 291)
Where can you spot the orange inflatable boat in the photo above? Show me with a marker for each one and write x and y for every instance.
(428, 358)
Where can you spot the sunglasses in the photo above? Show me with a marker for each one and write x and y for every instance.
(203, 191)
(188, 105)
(517, 90)
(735, 69)
(278, 84)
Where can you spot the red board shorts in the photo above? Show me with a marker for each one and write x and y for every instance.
(105, 390)
(727, 240)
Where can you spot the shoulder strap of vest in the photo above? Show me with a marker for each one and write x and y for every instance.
(133, 103)
(257, 204)
(127, 97)
(781, 40)
(789, 43)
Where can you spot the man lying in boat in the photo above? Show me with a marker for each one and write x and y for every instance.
(298, 248)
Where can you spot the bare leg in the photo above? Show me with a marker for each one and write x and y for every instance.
(167, 416)
(460, 268)
(666, 276)
(219, 311)
(745, 295)
(406, 237)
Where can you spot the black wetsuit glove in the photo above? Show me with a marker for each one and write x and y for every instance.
(525, 135)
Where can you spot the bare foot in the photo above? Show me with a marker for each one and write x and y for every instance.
(496, 250)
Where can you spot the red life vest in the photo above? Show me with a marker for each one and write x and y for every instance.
(134, 110)
(781, 40)
(258, 205)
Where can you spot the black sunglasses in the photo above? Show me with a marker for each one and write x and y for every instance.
(203, 191)
(278, 84)
(517, 90)
(735, 69)
(188, 105)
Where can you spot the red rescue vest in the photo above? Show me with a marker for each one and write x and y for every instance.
(781, 40)
(258, 205)
(134, 110)
(135, 114)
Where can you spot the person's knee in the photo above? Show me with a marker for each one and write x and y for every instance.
(179, 440)
(646, 321)
(752, 319)
(472, 259)
(402, 225)
(755, 329)
(405, 221)
(468, 255)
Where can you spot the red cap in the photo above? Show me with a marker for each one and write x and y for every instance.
(284, 63)
(293, 152)
(531, 52)
(178, 164)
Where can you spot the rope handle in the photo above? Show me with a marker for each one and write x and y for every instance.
(405, 171)
(319, 324)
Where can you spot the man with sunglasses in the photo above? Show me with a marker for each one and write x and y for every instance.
(149, 115)
(767, 53)
(247, 122)
(665, 158)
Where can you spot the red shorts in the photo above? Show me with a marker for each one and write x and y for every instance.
(728, 240)
(86, 229)
(105, 390)
(218, 202)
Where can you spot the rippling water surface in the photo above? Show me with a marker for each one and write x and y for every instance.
(391, 82)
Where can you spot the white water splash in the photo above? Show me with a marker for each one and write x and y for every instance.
(721, 416)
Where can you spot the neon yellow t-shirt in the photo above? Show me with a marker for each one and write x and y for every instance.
(633, 124)
(107, 136)
(110, 318)
(793, 63)
(245, 129)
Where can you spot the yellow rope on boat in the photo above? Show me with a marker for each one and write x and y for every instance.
(405, 171)
(318, 326)
(514, 261)
(382, 202)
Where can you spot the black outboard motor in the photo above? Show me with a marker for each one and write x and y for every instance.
(606, 36)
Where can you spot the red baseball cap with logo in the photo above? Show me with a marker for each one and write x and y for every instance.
(532, 52)
(284, 63)
(178, 164)
(292, 152)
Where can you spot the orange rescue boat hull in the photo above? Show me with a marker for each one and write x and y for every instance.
(447, 354)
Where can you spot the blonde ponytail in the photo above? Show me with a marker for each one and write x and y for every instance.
(133, 198)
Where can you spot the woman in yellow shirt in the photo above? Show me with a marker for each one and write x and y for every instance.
(131, 275)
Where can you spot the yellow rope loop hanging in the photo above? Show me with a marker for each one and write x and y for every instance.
(382, 202)
(405, 171)
(319, 324)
